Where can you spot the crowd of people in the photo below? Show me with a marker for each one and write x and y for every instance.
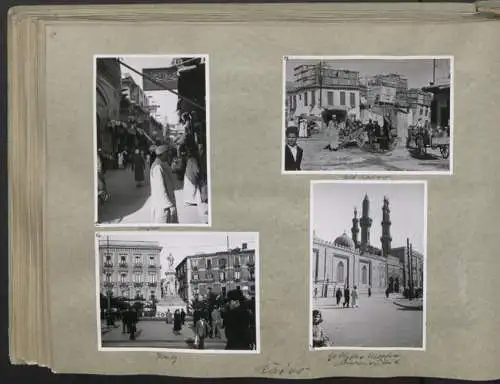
(235, 316)
(163, 167)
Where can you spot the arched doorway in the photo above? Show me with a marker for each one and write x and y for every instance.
(340, 272)
(364, 275)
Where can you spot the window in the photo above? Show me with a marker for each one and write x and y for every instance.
(222, 263)
(108, 277)
(137, 293)
(237, 275)
(305, 99)
(152, 260)
(316, 261)
(138, 259)
(152, 277)
(421, 112)
(209, 264)
(236, 261)
(137, 277)
(222, 276)
(340, 272)
(123, 278)
(123, 258)
(223, 290)
(364, 275)
(196, 276)
(352, 96)
(152, 295)
(313, 98)
(330, 97)
(342, 98)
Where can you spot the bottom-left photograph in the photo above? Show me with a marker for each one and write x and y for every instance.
(178, 291)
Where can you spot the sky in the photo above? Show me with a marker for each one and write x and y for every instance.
(333, 211)
(182, 244)
(417, 71)
(165, 99)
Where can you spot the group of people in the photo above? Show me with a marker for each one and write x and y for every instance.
(178, 319)
(129, 318)
(236, 317)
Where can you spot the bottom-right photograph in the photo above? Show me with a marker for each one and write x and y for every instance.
(368, 264)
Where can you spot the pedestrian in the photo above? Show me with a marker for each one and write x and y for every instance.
(124, 318)
(133, 320)
(236, 319)
(147, 166)
(369, 291)
(387, 292)
(201, 331)
(177, 322)
(163, 205)
(183, 316)
(302, 128)
(338, 295)
(191, 188)
(355, 297)
(293, 153)
(168, 317)
(216, 322)
(319, 335)
(333, 135)
(139, 167)
(347, 296)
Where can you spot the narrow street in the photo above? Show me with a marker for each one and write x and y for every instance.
(316, 158)
(129, 204)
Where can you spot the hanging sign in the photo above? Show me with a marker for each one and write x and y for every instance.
(167, 77)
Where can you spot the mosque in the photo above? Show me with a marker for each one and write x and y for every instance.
(349, 261)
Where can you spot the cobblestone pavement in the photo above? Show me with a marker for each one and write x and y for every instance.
(316, 158)
(377, 323)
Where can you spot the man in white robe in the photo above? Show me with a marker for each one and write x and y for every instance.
(162, 179)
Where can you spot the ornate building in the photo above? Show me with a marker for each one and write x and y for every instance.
(130, 269)
(218, 272)
(350, 262)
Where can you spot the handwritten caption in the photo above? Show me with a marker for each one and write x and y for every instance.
(371, 359)
(273, 368)
(168, 358)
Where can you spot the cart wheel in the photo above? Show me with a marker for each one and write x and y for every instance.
(445, 151)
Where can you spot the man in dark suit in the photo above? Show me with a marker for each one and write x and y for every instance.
(293, 153)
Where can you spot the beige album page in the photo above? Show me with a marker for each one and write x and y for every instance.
(249, 192)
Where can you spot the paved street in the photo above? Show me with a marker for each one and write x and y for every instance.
(129, 204)
(156, 334)
(378, 322)
(315, 158)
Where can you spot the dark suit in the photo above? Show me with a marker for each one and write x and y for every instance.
(290, 163)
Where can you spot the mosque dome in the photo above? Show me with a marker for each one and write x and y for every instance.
(344, 241)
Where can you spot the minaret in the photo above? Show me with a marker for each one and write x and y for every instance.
(355, 228)
(365, 223)
(386, 229)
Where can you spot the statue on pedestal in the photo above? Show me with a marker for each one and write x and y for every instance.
(170, 284)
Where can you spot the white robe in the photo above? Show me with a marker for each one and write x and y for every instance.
(191, 189)
(162, 192)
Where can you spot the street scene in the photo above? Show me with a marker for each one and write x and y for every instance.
(368, 286)
(152, 141)
(368, 115)
(178, 291)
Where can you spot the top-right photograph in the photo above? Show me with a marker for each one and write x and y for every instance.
(368, 115)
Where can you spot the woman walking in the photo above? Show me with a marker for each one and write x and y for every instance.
(177, 322)
(355, 297)
(138, 168)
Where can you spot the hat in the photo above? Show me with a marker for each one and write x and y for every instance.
(160, 149)
(235, 294)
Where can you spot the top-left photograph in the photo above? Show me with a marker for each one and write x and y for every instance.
(152, 140)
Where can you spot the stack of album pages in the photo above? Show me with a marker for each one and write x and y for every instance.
(283, 191)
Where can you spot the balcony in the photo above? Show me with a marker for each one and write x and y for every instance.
(123, 265)
(152, 284)
(108, 264)
(138, 284)
(108, 284)
(124, 284)
(152, 266)
(138, 265)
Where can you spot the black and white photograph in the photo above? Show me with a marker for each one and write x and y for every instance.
(178, 291)
(368, 265)
(368, 115)
(152, 140)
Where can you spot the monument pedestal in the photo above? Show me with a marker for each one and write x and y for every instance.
(171, 303)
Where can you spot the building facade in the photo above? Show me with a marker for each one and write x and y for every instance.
(218, 273)
(130, 269)
(441, 104)
(350, 261)
(419, 102)
(320, 86)
(108, 89)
